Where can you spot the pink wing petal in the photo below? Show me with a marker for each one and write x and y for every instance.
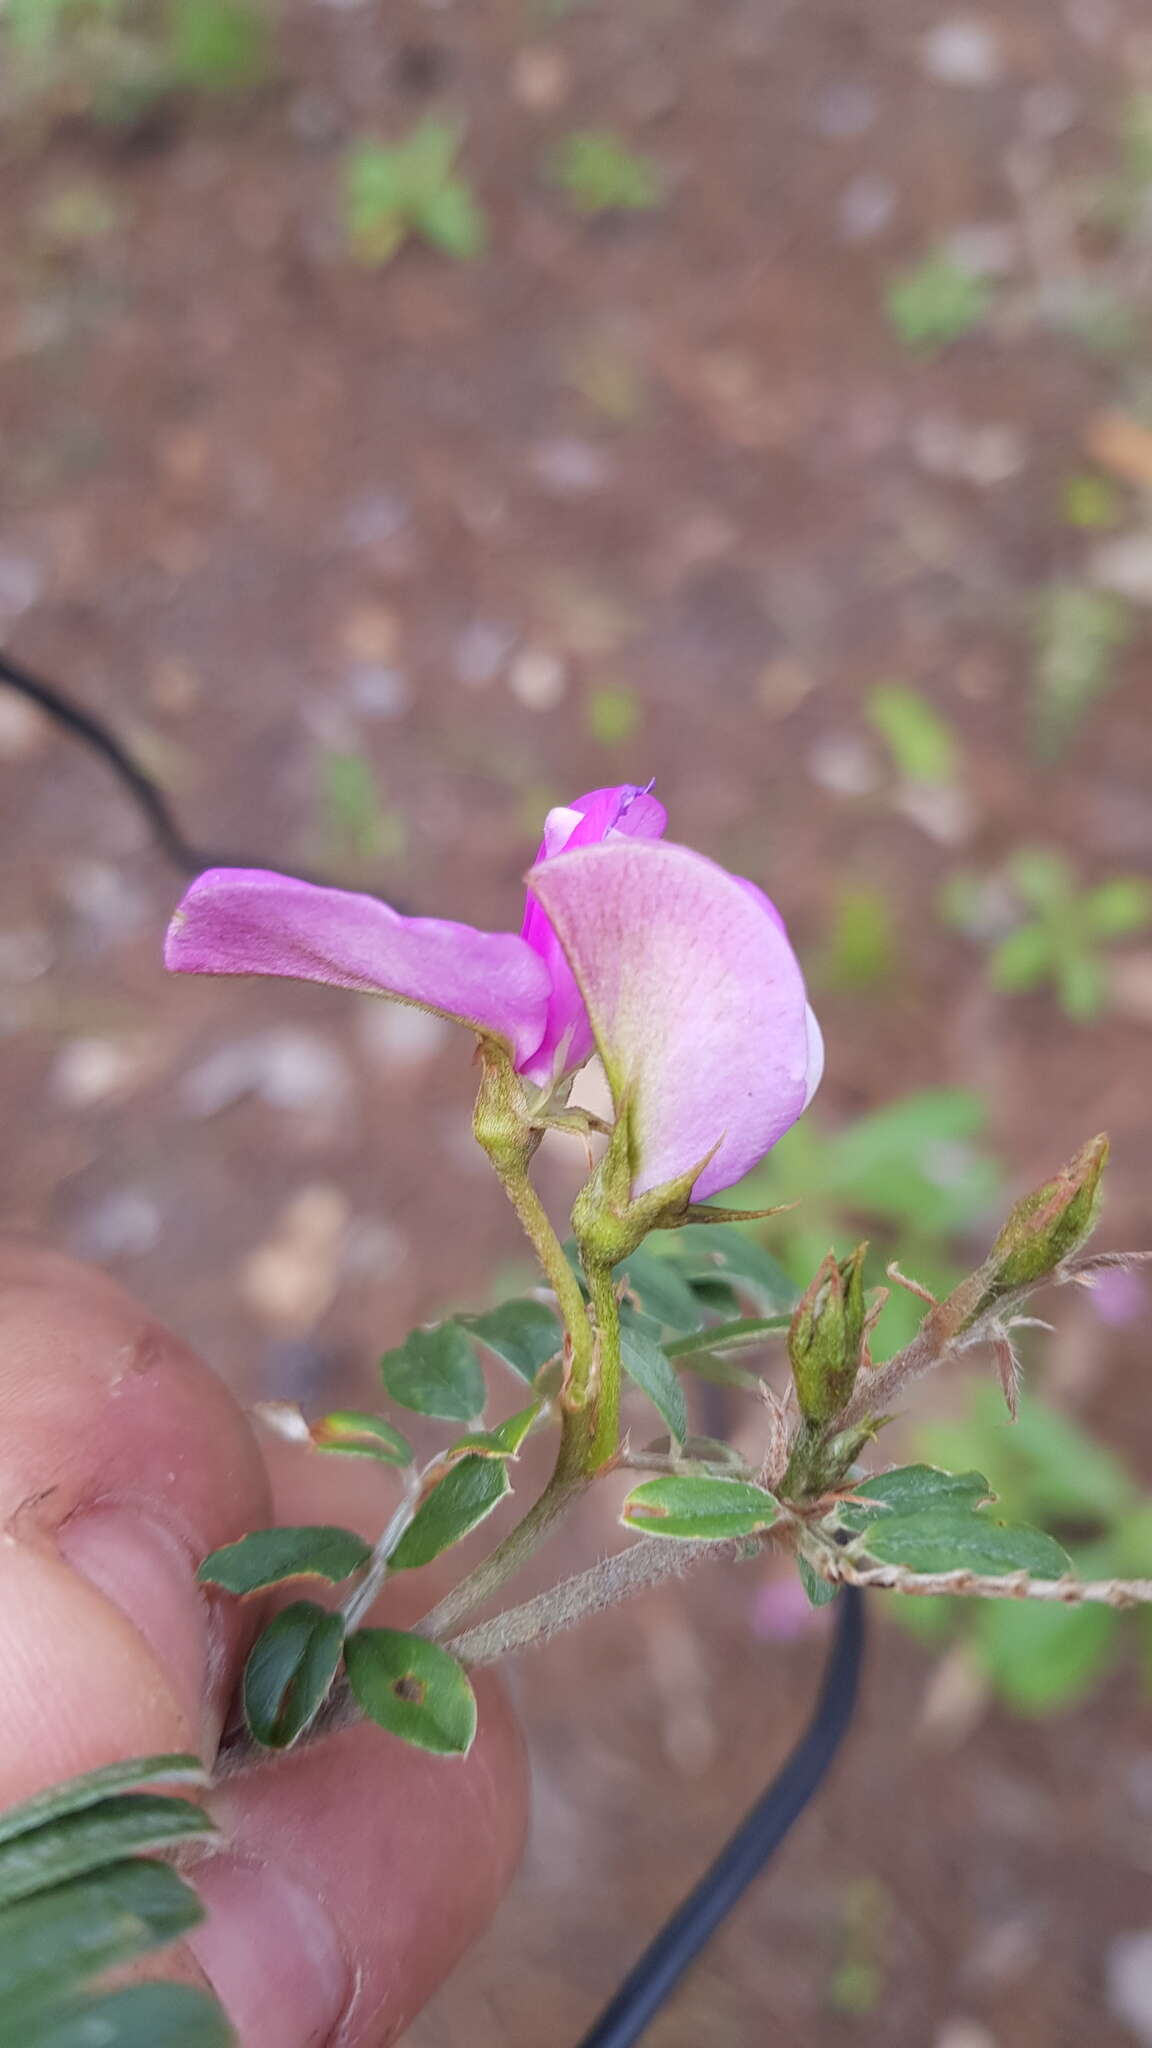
(696, 1001)
(626, 810)
(245, 921)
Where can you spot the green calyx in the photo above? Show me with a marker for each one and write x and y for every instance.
(826, 1338)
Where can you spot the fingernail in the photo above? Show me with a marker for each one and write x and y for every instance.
(135, 1560)
(271, 1954)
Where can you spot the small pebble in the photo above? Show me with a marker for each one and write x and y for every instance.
(845, 765)
(124, 1225)
(1128, 1974)
(845, 110)
(26, 954)
(571, 468)
(541, 78)
(378, 690)
(865, 207)
(376, 517)
(962, 50)
(538, 679)
(964, 2034)
(1124, 565)
(399, 1035)
(480, 652)
(286, 1068)
(370, 634)
(89, 1071)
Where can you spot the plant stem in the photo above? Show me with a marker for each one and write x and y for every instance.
(515, 1550)
(605, 1435)
(603, 1585)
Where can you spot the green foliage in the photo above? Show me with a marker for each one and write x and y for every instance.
(505, 1440)
(356, 1435)
(269, 1556)
(861, 951)
(116, 59)
(645, 1364)
(613, 715)
(1079, 633)
(412, 1688)
(949, 1539)
(524, 1333)
(467, 1493)
(698, 1507)
(1090, 501)
(81, 1842)
(922, 744)
(934, 302)
(411, 190)
(910, 1175)
(290, 1671)
(599, 174)
(216, 45)
(436, 1372)
(1064, 931)
(1045, 1467)
(910, 1489)
(355, 822)
(77, 1900)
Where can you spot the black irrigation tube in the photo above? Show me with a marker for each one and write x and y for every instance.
(650, 1983)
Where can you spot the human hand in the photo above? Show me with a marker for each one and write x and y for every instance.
(351, 1874)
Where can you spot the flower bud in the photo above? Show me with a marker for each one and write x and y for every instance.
(826, 1338)
(1045, 1228)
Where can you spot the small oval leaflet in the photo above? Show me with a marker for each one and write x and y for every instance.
(73, 1844)
(53, 1942)
(468, 1491)
(645, 1364)
(359, 1435)
(951, 1539)
(413, 1688)
(504, 1440)
(142, 2016)
(77, 1793)
(436, 1372)
(524, 1334)
(911, 1489)
(699, 1508)
(289, 1672)
(269, 1556)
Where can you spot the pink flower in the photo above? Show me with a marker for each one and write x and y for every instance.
(679, 974)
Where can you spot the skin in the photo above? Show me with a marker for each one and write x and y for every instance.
(352, 1875)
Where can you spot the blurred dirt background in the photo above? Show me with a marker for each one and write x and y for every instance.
(372, 565)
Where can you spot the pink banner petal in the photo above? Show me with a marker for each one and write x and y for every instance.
(696, 1002)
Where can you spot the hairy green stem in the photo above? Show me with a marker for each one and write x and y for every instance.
(605, 1434)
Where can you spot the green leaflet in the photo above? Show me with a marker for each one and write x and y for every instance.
(77, 1793)
(412, 1688)
(699, 1508)
(952, 1539)
(144, 2016)
(269, 1556)
(289, 1672)
(73, 1844)
(524, 1334)
(645, 1363)
(436, 1372)
(468, 1492)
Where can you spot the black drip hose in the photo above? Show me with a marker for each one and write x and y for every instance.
(651, 1982)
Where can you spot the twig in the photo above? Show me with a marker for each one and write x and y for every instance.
(1066, 1592)
(644, 1564)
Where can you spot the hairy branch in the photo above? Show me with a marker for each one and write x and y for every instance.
(603, 1585)
(893, 1578)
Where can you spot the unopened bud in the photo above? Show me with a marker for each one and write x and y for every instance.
(826, 1338)
(1045, 1228)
